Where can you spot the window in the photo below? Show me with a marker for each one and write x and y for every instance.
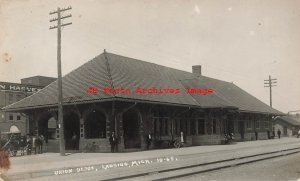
(201, 126)
(193, 126)
(257, 125)
(175, 128)
(10, 97)
(162, 124)
(266, 124)
(14, 128)
(52, 128)
(211, 126)
(18, 117)
(160, 127)
(248, 124)
(187, 126)
(214, 126)
(182, 126)
(19, 97)
(155, 126)
(11, 117)
(166, 126)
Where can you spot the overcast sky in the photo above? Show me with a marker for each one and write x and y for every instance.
(241, 41)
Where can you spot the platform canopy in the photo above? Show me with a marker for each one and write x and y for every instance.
(115, 71)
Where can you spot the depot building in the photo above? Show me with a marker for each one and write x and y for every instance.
(93, 115)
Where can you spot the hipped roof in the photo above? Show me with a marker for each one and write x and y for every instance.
(117, 71)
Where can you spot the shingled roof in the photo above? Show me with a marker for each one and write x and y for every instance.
(113, 70)
(295, 121)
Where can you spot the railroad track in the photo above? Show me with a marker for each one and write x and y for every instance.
(183, 171)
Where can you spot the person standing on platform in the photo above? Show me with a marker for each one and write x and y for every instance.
(37, 144)
(148, 140)
(29, 144)
(74, 141)
(113, 142)
(181, 138)
(256, 135)
(41, 142)
(118, 141)
(34, 144)
(278, 133)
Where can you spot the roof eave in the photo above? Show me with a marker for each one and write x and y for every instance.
(114, 99)
(262, 112)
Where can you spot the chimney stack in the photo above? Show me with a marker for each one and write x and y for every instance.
(196, 69)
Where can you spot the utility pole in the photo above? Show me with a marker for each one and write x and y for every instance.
(270, 83)
(59, 79)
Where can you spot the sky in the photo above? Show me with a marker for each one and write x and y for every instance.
(236, 41)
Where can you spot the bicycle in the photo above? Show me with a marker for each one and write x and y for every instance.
(175, 143)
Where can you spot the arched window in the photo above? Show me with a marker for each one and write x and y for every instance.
(14, 129)
(51, 128)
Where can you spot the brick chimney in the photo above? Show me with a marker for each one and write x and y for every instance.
(196, 69)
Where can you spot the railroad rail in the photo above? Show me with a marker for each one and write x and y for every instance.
(172, 173)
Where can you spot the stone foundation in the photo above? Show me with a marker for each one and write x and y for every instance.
(102, 145)
(206, 140)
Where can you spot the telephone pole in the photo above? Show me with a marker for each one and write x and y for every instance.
(59, 79)
(270, 83)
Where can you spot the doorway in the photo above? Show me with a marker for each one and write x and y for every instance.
(131, 126)
(71, 131)
(47, 126)
(285, 131)
(95, 125)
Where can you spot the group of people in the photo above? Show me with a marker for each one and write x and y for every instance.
(273, 134)
(149, 138)
(35, 144)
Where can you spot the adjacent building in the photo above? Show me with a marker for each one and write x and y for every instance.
(134, 98)
(14, 92)
(288, 125)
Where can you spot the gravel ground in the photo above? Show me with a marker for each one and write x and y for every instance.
(285, 168)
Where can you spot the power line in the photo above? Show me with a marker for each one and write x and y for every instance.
(59, 25)
(270, 83)
(293, 111)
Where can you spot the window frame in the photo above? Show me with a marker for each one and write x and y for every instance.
(248, 124)
(257, 124)
(11, 117)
